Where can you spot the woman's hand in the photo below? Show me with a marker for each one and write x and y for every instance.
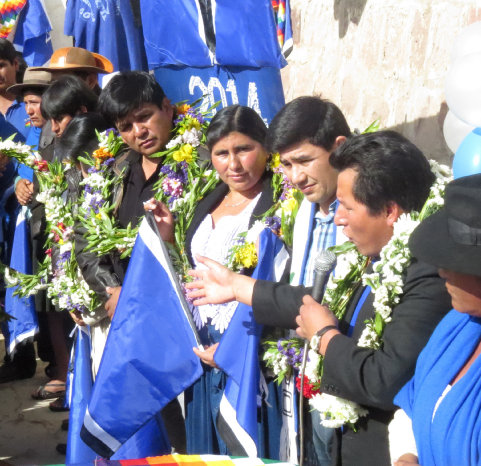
(212, 285)
(207, 356)
(163, 217)
(312, 318)
(24, 191)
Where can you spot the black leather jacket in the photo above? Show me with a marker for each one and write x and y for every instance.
(99, 271)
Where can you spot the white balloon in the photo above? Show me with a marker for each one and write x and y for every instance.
(463, 88)
(455, 130)
(467, 42)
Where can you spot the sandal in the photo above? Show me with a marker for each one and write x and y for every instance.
(58, 405)
(43, 394)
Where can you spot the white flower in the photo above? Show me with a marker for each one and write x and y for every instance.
(335, 412)
(192, 137)
(174, 142)
(254, 232)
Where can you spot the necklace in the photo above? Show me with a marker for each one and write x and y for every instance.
(237, 203)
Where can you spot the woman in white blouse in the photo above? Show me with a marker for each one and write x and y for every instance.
(235, 138)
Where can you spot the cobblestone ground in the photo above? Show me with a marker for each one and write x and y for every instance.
(29, 431)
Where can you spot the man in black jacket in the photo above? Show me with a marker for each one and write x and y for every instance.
(382, 175)
(136, 104)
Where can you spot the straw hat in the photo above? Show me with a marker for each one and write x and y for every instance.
(76, 58)
(32, 79)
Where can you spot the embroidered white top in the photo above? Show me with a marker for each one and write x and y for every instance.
(215, 243)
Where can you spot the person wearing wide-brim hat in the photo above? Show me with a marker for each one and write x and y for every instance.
(30, 91)
(76, 60)
(443, 399)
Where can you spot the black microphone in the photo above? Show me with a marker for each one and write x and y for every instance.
(324, 263)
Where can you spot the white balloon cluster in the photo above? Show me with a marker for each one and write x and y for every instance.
(463, 87)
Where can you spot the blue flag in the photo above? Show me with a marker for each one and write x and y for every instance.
(148, 358)
(201, 34)
(148, 441)
(32, 34)
(109, 27)
(80, 390)
(24, 325)
(238, 356)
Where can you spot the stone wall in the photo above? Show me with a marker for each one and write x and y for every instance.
(381, 59)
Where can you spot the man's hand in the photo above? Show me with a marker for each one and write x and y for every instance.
(207, 356)
(24, 191)
(77, 318)
(163, 217)
(111, 304)
(312, 318)
(213, 285)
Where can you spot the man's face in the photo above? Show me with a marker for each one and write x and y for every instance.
(307, 168)
(147, 129)
(8, 74)
(32, 107)
(370, 233)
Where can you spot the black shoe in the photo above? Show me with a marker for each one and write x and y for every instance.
(10, 371)
(61, 448)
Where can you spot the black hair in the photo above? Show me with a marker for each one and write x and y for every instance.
(128, 91)
(66, 96)
(310, 119)
(389, 167)
(7, 51)
(238, 118)
(79, 136)
(36, 90)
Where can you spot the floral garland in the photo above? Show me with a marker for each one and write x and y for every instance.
(386, 282)
(64, 286)
(279, 218)
(185, 179)
(68, 290)
(182, 183)
(95, 209)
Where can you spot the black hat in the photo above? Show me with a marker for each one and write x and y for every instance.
(451, 238)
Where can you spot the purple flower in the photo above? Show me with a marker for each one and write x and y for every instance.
(109, 162)
(112, 130)
(274, 223)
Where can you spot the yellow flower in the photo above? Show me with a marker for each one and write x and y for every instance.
(289, 205)
(247, 256)
(194, 123)
(183, 154)
(98, 216)
(275, 160)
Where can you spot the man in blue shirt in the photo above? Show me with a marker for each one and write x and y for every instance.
(13, 110)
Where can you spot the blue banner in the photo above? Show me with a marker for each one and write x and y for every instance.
(24, 325)
(110, 28)
(203, 33)
(260, 89)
